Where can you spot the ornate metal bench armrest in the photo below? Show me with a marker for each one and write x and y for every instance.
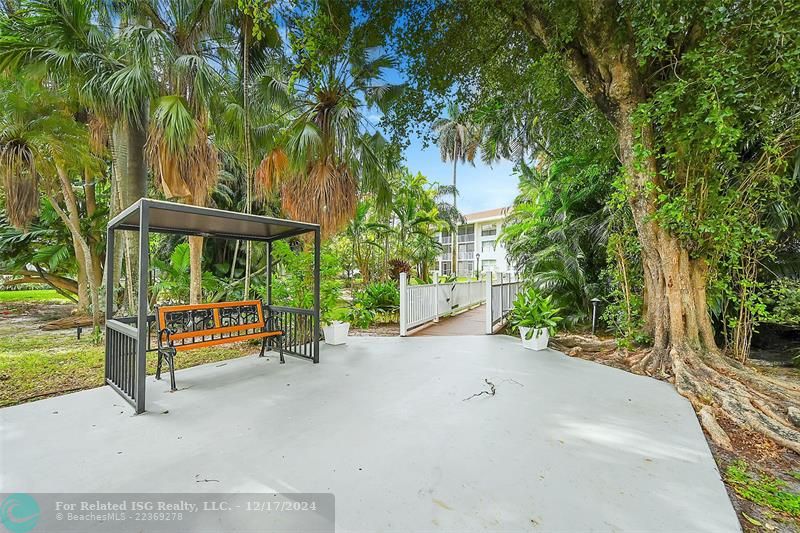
(163, 336)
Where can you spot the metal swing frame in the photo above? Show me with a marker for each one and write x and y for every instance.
(128, 338)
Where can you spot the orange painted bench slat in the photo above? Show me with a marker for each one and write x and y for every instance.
(225, 340)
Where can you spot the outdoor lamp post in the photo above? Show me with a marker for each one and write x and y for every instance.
(477, 266)
(595, 302)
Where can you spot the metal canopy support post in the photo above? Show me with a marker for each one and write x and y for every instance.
(269, 272)
(109, 273)
(141, 323)
(317, 244)
(268, 306)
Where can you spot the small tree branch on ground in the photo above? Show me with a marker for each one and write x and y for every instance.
(491, 392)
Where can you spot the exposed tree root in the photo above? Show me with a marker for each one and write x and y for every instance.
(749, 399)
(708, 419)
(716, 385)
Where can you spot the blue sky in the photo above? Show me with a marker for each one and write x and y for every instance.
(480, 187)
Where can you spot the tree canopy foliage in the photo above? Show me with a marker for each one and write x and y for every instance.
(697, 104)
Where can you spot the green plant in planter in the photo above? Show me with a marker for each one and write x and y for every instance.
(534, 311)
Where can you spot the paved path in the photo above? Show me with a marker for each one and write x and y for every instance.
(384, 424)
(472, 322)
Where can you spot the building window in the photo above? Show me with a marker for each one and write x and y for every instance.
(488, 230)
(466, 233)
(488, 265)
(487, 246)
(445, 238)
(446, 268)
(465, 268)
(466, 250)
(447, 249)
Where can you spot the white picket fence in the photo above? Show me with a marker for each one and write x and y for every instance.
(420, 304)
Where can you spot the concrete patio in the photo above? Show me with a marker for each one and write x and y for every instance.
(384, 425)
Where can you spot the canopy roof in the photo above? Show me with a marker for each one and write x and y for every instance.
(182, 219)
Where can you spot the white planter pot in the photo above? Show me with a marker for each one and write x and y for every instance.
(538, 340)
(336, 332)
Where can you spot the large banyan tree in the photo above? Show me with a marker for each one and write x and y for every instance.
(701, 97)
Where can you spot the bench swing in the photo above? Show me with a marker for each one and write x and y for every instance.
(180, 328)
(186, 327)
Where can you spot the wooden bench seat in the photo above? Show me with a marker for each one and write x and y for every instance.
(187, 327)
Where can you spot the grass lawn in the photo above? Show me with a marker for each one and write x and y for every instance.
(44, 295)
(36, 364)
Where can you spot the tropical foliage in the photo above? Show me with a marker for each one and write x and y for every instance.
(558, 230)
(200, 102)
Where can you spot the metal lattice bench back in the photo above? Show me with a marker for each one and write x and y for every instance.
(186, 327)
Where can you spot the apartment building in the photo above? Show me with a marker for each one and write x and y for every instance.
(477, 246)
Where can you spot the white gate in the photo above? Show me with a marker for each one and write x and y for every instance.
(500, 296)
(420, 304)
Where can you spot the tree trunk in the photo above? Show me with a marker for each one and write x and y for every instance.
(61, 284)
(247, 25)
(684, 350)
(133, 186)
(84, 300)
(454, 244)
(89, 190)
(119, 169)
(195, 269)
(71, 219)
(676, 284)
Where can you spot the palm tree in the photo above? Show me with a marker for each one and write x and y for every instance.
(77, 44)
(42, 148)
(326, 150)
(458, 140)
(181, 37)
(361, 232)
(414, 213)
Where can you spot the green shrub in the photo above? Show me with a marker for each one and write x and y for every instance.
(173, 277)
(293, 280)
(783, 302)
(381, 297)
(360, 316)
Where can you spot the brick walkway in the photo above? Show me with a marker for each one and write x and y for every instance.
(471, 322)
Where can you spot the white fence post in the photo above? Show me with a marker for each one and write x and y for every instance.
(488, 303)
(436, 297)
(403, 304)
